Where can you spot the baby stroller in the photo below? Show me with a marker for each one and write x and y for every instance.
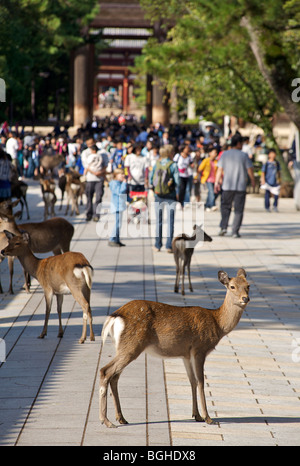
(138, 207)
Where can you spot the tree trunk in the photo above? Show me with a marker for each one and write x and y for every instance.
(283, 94)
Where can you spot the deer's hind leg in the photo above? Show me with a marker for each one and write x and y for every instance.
(110, 374)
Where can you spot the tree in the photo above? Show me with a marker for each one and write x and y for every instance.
(36, 39)
(215, 51)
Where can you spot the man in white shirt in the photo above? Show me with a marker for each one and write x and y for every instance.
(137, 167)
(94, 168)
(12, 147)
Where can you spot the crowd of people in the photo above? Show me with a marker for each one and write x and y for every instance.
(178, 164)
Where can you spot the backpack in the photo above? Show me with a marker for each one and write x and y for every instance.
(163, 181)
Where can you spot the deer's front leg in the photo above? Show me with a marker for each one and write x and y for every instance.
(48, 299)
(199, 368)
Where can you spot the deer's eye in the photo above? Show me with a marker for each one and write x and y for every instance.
(232, 287)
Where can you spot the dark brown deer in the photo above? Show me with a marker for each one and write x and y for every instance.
(166, 331)
(49, 162)
(58, 275)
(183, 249)
(19, 191)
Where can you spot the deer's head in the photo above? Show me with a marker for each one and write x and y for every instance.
(237, 287)
(16, 244)
(200, 233)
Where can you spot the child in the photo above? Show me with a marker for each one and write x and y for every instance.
(270, 180)
(118, 188)
(208, 169)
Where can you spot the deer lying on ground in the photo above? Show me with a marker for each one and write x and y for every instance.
(183, 249)
(166, 331)
(52, 235)
(58, 275)
(49, 197)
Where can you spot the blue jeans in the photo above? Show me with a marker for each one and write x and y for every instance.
(170, 205)
(267, 200)
(211, 198)
(115, 234)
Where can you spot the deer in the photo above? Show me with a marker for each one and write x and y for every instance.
(69, 272)
(52, 235)
(49, 162)
(49, 197)
(73, 189)
(168, 331)
(183, 250)
(19, 190)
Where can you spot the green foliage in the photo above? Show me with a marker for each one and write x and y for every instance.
(207, 54)
(36, 39)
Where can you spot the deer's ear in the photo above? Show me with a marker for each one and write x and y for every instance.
(241, 273)
(9, 235)
(25, 236)
(223, 277)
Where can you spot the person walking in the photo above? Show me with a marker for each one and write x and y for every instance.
(165, 179)
(208, 168)
(270, 180)
(234, 167)
(184, 163)
(137, 170)
(5, 174)
(118, 188)
(94, 170)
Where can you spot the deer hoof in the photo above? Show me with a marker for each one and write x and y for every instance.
(198, 418)
(208, 420)
(108, 424)
(122, 420)
(81, 341)
(41, 336)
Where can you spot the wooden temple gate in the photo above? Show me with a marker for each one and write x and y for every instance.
(110, 83)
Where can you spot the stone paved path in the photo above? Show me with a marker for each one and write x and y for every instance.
(49, 388)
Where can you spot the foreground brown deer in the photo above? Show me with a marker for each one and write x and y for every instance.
(54, 235)
(169, 331)
(183, 249)
(58, 275)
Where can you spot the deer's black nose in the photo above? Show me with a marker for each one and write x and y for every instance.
(246, 299)
(2, 252)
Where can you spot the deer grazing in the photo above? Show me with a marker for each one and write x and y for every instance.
(183, 249)
(166, 331)
(52, 235)
(58, 275)
(49, 197)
